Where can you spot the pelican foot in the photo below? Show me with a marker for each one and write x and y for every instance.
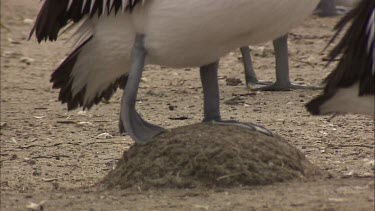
(140, 130)
(339, 11)
(285, 87)
(257, 84)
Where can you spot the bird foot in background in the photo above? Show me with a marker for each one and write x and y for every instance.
(282, 87)
(339, 11)
(257, 84)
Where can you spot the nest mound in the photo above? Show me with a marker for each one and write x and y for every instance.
(208, 155)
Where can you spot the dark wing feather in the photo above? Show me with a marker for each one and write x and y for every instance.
(357, 53)
(356, 63)
(61, 79)
(55, 14)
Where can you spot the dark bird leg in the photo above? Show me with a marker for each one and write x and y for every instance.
(282, 69)
(250, 76)
(211, 97)
(139, 130)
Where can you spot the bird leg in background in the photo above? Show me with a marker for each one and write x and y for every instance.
(210, 85)
(138, 129)
(282, 69)
(211, 98)
(250, 76)
(327, 8)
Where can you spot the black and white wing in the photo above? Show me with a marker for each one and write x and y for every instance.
(88, 74)
(356, 66)
(57, 14)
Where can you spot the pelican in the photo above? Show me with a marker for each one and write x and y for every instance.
(325, 8)
(282, 82)
(117, 38)
(350, 86)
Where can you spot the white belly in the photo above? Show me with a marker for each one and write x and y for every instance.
(196, 32)
(180, 33)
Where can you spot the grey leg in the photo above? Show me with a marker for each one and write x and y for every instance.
(121, 127)
(282, 61)
(327, 8)
(282, 68)
(211, 97)
(250, 76)
(211, 94)
(138, 129)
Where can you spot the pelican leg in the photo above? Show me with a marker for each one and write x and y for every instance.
(211, 98)
(327, 8)
(282, 69)
(250, 76)
(121, 126)
(138, 129)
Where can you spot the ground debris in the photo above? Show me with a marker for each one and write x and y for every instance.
(235, 101)
(104, 136)
(36, 206)
(233, 81)
(208, 155)
(27, 60)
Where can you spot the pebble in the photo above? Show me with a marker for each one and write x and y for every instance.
(143, 79)
(14, 157)
(28, 21)
(336, 199)
(233, 81)
(26, 60)
(85, 123)
(349, 173)
(369, 162)
(299, 79)
(11, 54)
(82, 113)
(30, 161)
(3, 125)
(104, 135)
(172, 107)
(261, 51)
(13, 41)
(34, 206)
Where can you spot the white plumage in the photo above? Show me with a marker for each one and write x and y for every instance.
(346, 100)
(115, 46)
(371, 38)
(179, 33)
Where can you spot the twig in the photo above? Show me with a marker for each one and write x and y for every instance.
(52, 156)
(227, 176)
(54, 145)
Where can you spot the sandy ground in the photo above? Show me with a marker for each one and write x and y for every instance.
(52, 157)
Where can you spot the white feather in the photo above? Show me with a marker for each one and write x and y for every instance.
(83, 5)
(124, 5)
(104, 6)
(86, 29)
(69, 5)
(92, 5)
(371, 39)
(179, 33)
(111, 4)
